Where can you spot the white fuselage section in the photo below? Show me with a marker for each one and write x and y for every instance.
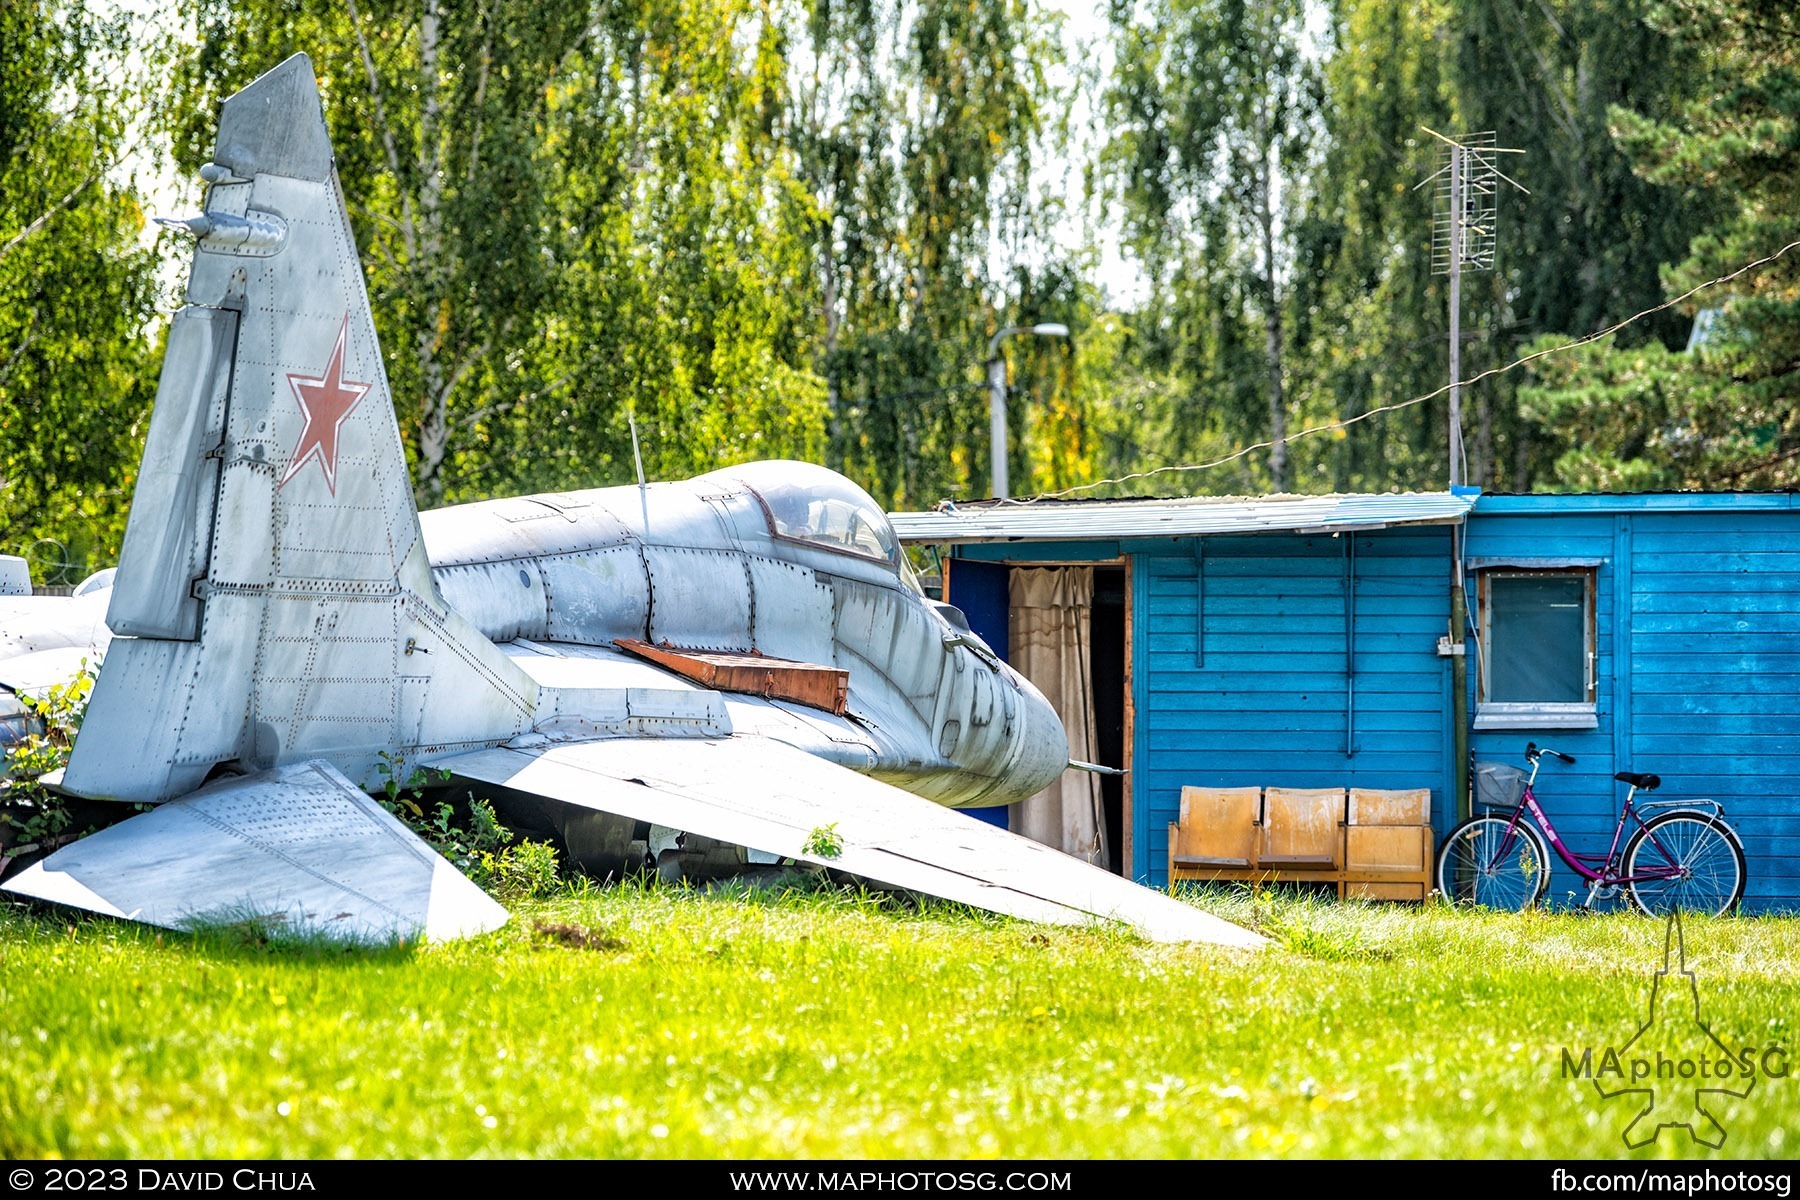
(700, 565)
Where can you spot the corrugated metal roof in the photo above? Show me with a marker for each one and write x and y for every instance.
(1090, 520)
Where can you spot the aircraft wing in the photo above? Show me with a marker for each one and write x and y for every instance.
(768, 796)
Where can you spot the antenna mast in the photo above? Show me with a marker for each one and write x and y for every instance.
(1463, 238)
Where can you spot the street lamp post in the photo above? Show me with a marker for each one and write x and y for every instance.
(996, 375)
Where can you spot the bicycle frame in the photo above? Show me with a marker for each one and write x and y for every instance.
(1601, 873)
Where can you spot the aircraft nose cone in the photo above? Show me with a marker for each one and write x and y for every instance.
(1043, 745)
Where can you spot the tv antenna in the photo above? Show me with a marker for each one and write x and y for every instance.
(1463, 238)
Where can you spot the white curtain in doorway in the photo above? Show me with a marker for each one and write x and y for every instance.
(1049, 631)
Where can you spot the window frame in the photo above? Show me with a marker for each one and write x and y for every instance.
(1537, 714)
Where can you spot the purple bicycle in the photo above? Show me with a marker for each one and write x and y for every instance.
(1683, 855)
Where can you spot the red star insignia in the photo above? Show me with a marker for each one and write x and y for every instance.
(327, 400)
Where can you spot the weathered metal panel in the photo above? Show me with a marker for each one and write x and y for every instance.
(772, 797)
(793, 613)
(300, 845)
(1048, 521)
(699, 598)
(172, 505)
(596, 596)
(505, 600)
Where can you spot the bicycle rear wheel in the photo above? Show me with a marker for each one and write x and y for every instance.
(1702, 850)
(1482, 864)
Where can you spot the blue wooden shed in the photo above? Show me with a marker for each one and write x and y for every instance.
(1305, 642)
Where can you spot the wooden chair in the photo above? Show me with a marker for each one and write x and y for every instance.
(1388, 844)
(1302, 830)
(1364, 842)
(1216, 835)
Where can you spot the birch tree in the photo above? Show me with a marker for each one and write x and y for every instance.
(77, 289)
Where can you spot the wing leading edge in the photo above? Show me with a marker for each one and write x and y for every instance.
(762, 794)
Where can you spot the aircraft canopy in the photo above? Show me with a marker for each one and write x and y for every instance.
(809, 503)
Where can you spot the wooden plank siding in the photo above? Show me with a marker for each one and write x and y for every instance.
(1241, 669)
(1239, 665)
(1579, 798)
(1714, 616)
(1699, 672)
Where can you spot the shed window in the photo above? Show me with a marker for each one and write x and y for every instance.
(1537, 649)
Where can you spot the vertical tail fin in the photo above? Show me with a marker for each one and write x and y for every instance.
(273, 601)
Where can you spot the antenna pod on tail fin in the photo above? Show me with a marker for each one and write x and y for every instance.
(273, 592)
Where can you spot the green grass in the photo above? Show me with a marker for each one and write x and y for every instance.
(646, 1022)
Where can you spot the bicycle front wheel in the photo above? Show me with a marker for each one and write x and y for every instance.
(1697, 861)
(1483, 863)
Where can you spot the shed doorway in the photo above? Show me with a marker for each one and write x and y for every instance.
(1062, 626)
(1107, 662)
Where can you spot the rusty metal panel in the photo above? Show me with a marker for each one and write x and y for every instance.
(754, 674)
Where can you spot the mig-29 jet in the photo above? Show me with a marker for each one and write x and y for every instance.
(735, 669)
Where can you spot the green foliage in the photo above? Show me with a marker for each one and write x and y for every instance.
(825, 1027)
(915, 128)
(76, 285)
(34, 815)
(473, 838)
(1368, 313)
(479, 844)
(789, 230)
(824, 842)
(404, 790)
(1217, 108)
(1272, 197)
(1726, 414)
(1583, 250)
(529, 868)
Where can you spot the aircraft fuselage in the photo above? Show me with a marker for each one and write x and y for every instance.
(783, 559)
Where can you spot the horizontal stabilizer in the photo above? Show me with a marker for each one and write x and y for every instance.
(771, 797)
(35, 674)
(300, 845)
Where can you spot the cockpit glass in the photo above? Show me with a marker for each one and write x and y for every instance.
(808, 503)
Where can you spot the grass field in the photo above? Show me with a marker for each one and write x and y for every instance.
(646, 1022)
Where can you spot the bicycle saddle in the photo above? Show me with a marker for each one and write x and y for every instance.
(1648, 783)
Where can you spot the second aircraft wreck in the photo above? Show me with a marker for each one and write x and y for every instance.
(700, 673)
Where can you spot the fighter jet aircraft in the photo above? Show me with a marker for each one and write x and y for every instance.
(736, 668)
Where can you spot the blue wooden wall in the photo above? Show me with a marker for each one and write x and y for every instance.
(1240, 665)
(1239, 661)
(1241, 670)
(1698, 624)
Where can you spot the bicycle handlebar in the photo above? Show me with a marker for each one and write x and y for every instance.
(1532, 751)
